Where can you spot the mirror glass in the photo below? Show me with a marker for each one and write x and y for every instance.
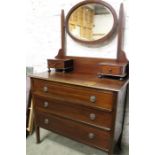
(90, 22)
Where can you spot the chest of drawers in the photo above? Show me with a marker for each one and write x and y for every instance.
(90, 112)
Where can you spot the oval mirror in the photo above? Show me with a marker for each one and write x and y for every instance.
(91, 22)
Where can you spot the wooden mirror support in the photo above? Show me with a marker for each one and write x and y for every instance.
(101, 67)
(60, 63)
(119, 68)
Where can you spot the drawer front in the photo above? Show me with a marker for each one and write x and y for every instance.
(82, 133)
(56, 64)
(76, 94)
(75, 112)
(111, 70)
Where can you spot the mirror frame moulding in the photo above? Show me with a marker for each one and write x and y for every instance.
(103, 39)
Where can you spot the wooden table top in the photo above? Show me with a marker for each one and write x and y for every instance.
(84, 80)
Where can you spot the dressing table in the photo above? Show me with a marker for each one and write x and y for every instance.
(83, 98)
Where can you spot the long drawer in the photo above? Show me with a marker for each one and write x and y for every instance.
(83, 133)
(74, 111)
(88, 96)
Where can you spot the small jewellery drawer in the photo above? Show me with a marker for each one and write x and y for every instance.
(56, 64)
(83, 133)
(88, 96)
(111, 70)
(75, 112)
(60, 63)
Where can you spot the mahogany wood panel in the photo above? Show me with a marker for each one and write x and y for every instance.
(110, 70)
(56, 63)
(114, 69)
(69, 107)
(82, 81)
(60, 63)
(76, 112)
(102, 99)
(83, 133)
(86, 65)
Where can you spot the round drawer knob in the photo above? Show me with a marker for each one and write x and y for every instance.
(100, 75)
(92, 116)
(45, 104)
(93, 99)
(91, 135)
(46, 121)
(45, 89)
(110, 70)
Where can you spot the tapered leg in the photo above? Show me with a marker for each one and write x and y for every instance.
(110, 153)
(114, 149)
(119, 142)
(37, 134)
(117, 147)
(49, 70)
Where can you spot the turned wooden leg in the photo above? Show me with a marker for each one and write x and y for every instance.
(110, 153)
(119, 143)
(49, 70)
(117, 147)
(37, 134)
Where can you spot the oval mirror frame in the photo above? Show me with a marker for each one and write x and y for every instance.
(107, 36)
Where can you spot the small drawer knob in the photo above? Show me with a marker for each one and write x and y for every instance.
(110, 70)
(46, 121)
(45, 104)
(91, 135)
(45, 89)
(92, 116)
(93, 99)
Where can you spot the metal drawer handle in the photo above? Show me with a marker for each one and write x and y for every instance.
(46, 121)
(45, 104)
(45, 89)
(93, 99)
(91, 135)
(92, 116)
